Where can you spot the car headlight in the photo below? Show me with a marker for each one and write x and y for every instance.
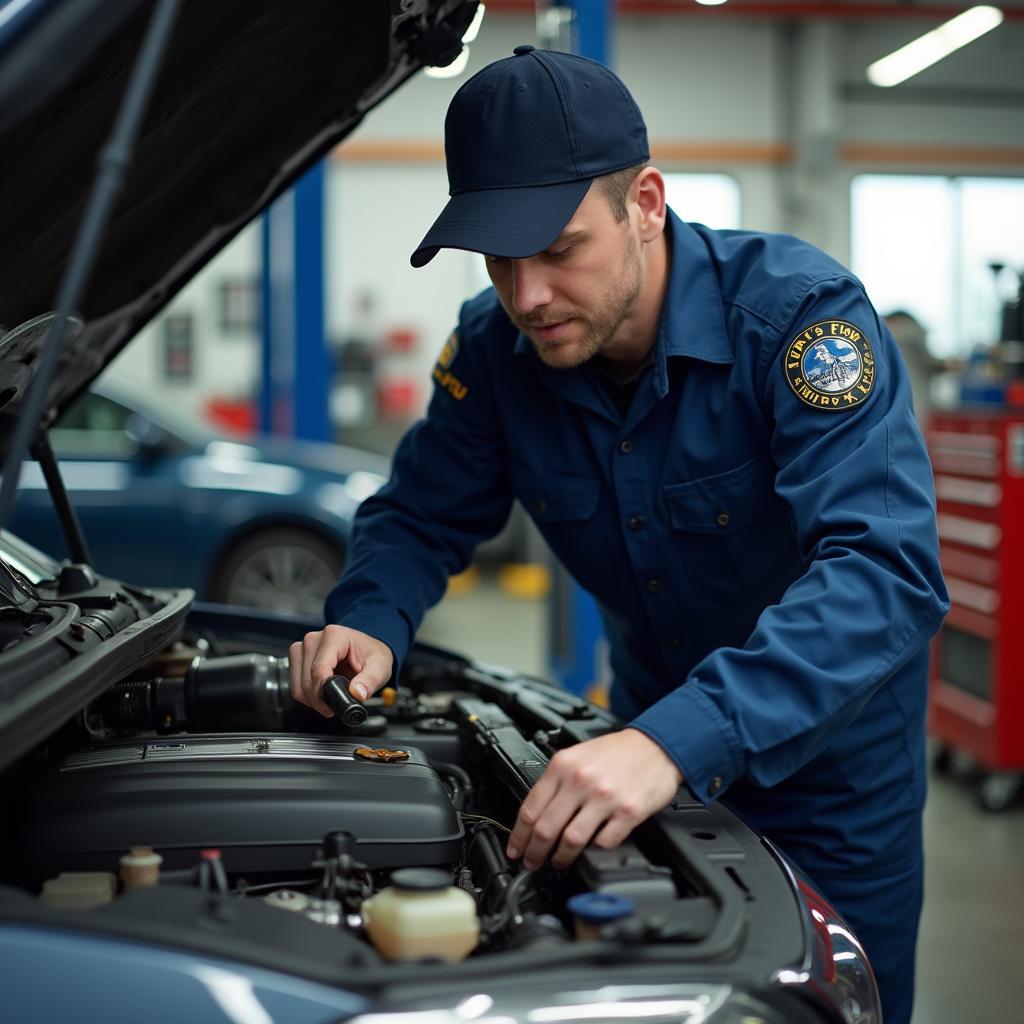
(837, 971)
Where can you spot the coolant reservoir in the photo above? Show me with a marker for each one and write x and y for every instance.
(422, 915)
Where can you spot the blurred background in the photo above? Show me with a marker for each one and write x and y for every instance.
(312, 328)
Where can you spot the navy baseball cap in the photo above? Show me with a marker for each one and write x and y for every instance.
(524, 138)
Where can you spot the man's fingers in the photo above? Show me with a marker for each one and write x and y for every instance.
(295, 667)
(615, 831)
(548, 829)
(333, 647)
(529, 813)
(376, 671)
(579, 831)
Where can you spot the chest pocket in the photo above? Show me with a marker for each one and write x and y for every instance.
(565, 510)
(552, 498)
(736, 535)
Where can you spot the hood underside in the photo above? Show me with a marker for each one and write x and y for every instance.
(250, 94)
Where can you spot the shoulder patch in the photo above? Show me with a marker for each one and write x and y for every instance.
(449, 352)
(443, 375)
(830, 365)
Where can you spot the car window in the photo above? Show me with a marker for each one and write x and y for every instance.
(93, 427)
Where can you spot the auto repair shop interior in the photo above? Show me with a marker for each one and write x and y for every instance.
(222, 437)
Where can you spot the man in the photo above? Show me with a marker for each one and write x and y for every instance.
(715, 436)
(922, 366)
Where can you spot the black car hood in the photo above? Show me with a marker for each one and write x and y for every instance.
(250, 95)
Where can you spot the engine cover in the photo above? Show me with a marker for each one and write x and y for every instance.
(265, 800)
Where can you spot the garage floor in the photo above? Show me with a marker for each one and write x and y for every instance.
(971, 952)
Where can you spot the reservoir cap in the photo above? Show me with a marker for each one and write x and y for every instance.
(420, 879)
(599, 907)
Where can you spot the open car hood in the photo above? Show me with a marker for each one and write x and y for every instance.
(250, 94)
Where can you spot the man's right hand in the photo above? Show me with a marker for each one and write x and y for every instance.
(337, 650)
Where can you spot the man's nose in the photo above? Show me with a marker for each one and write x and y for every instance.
(530, 288)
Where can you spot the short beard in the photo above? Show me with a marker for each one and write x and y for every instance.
(603, 325)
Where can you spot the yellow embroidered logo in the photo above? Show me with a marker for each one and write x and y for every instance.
(449, 352)
(443, 376)
(830, 365)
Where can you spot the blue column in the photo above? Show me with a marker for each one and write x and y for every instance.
(311, 383)
(577, 656)
(593, 28)
(295, 366)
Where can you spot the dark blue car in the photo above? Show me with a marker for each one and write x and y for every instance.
(165, 498)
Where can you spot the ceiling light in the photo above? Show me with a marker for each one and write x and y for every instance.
(933, 46)
(456, 67)
(474, 26)
(711, 3)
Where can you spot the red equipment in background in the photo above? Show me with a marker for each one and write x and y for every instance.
(977, 689)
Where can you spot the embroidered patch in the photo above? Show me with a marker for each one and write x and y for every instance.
(449, 352)
(444, 377)
(830, 365)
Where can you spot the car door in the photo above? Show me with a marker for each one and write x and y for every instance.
(120, 472)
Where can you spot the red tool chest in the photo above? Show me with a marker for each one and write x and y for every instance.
(977, 685)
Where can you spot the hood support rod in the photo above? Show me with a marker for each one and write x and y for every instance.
(74, 537)
(111, 171)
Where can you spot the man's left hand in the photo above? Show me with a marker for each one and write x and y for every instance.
(604, 787)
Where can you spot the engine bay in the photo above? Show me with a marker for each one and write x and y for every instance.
(196, 799)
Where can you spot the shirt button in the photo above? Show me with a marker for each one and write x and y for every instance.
(715, 785)
(540, 505)
(636, 522)
(674, 642)
(722, 519)
(625, 447)
(654, 585)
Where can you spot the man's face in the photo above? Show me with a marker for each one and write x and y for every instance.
(572, 299)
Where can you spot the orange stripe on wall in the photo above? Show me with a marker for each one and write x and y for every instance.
(390, 151)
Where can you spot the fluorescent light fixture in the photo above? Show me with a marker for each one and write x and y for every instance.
(711, 3)
(458, 65)
(474, 26)
(453, 70)
(933, 46)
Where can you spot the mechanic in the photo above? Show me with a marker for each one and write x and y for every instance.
(714, 432)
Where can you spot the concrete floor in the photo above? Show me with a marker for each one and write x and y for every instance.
(971, 950)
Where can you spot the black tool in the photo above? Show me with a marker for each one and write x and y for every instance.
(338, 698)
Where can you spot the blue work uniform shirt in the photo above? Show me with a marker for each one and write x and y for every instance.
(758, 530)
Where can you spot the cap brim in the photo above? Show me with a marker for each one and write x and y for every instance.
(510, 222)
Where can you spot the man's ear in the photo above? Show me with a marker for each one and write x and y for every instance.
(648, 193)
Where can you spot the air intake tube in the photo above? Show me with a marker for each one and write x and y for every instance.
(230, 694)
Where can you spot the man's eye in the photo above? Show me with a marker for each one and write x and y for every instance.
(495, 259)
(561, 254)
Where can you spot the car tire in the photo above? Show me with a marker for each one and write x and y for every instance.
(285, 570)
(998, 791)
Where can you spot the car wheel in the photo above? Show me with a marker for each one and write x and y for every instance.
(285, 570)
(998, 790)
(942, 762)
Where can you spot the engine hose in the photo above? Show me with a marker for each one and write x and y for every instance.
(495, 872)
(461, 783)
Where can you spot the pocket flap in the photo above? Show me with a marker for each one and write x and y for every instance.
(724, 502)
(553, 498)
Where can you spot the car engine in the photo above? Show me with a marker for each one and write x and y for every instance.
(201, 777)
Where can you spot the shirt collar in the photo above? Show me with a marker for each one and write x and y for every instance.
(692, 321)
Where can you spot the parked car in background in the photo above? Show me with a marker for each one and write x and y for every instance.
(166, 498)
